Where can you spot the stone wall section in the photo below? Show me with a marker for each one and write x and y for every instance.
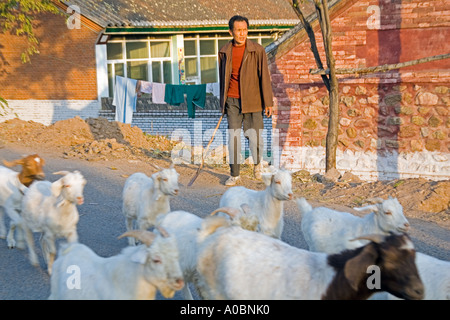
(406, 117)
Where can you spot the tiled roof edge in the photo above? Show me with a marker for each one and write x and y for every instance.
(289, 22)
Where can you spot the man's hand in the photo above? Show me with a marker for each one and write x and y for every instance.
(268, 111)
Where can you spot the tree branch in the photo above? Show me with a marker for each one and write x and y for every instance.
(325, 25)
(382, 68)
(312, 39)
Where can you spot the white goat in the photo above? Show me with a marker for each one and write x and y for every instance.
(238, 264)
(184, 226)
(144, 198)
(330, 231)
(51, 208)
(136, 273)
(12, 187)
(267, 204)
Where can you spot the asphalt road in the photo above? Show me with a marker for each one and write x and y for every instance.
(101, 222)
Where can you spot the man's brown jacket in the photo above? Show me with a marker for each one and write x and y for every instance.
(254, 77)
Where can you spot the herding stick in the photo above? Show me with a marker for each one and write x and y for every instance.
(206, 152)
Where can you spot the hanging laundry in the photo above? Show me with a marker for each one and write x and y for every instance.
(125, 96)
(195, 96)
(158, 92)
(145, 86)
(174, 94)
(213, 88)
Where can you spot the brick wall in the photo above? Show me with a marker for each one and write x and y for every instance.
(64, 68)
(382, 115)
(48, 112)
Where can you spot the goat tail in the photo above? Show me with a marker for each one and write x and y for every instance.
(303, 206)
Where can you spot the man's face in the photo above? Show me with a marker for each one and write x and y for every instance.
(239, 32)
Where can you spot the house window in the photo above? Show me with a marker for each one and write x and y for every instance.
(201, 52)
(114, 51)
(200, 58)
(113, 70)
(141, 59)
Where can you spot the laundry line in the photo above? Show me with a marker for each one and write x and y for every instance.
(127, 90)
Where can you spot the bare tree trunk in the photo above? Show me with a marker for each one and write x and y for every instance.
(333, 127)
(333, 121)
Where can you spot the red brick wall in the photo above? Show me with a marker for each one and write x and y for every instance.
(403, 110)
(64, 69)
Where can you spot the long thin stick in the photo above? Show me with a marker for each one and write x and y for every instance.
(206, 152)
(382, 68)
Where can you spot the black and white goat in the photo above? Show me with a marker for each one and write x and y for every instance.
(238, 264)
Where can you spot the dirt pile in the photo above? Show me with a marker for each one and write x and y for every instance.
(90, 139)
(413, 194)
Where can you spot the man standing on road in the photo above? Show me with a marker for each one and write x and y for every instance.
(245, 94)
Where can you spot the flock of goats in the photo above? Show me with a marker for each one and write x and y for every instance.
(234, 253)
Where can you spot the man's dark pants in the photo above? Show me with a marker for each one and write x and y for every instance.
(253, 125)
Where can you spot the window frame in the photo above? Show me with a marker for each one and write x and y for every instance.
(124, 60)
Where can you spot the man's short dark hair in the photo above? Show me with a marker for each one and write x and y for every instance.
(236, 18)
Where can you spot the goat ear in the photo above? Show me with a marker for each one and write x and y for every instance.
(377, 208)
(272, 169)
(57, 187)
(140, 256)
(13, 163)
(355, 268)
(267, 178)
(156, 177)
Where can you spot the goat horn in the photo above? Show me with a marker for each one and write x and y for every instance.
(163, 232)
(62, 173)
(211, 224)
(232, 212)
(377, 238)
(144, 236)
